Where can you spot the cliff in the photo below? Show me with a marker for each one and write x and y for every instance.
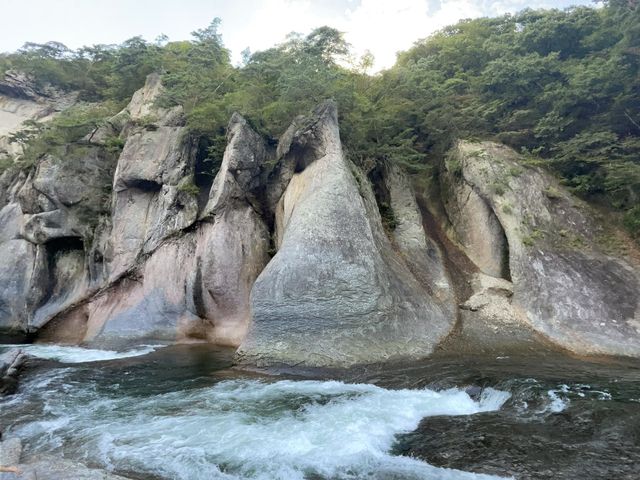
(290, 254)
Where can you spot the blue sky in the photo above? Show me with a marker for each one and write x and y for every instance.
(382, 26)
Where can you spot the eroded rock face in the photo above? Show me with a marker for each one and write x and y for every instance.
(570, 291)
(233, 243)
(420, 252)
(153, 304)
(169, 283)
(335, 293)
(65, 195)
(149, 204)
(239, 180)
(101, 249)
(17, 256)
(47, 214)
(58, 241)
(47, 221)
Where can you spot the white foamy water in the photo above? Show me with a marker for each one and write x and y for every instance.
(247, 429)
(556, 404)
(69, 354)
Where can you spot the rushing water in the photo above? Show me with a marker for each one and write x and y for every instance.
(182, 413)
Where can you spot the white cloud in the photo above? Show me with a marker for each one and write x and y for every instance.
(269, 24)
(382, 26)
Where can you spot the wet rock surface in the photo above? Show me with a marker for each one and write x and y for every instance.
(11, 363)
(48, 467)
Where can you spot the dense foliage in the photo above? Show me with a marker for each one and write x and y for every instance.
(560, 86)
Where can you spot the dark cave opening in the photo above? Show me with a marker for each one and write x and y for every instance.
(63, 244)
(144, 185)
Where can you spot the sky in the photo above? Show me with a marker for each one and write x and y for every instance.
(382, 26)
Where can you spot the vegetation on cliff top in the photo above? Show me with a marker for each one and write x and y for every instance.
(559, 85)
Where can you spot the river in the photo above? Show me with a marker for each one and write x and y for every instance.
(183, 412)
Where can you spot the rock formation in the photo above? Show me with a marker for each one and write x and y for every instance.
(539, 253)
(146, 270)
(293, 254)
(335, 293)
(46, 467)
(11, 363)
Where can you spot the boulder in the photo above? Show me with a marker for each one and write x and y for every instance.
(49, 467)
(11, 363)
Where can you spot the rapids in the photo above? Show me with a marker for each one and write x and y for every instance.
(182, 413)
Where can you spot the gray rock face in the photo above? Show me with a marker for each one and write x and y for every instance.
(148, 203)
(199, 285)
(11, 181)
(585, 302)
(64, 282)
(48, 220)
(239, 179)
(46, 214)
(12, 222)
(64, 195)
(230, 255)
(233, 250)
(59, 250)
(15, 283)
(570, 291)
(142, 220)
(335, 293)
(48, 467)
(153, 304)
(155, 156)
(420, 252)
(492, 323)
(181, 285)
(10, 451)
(156, 258)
